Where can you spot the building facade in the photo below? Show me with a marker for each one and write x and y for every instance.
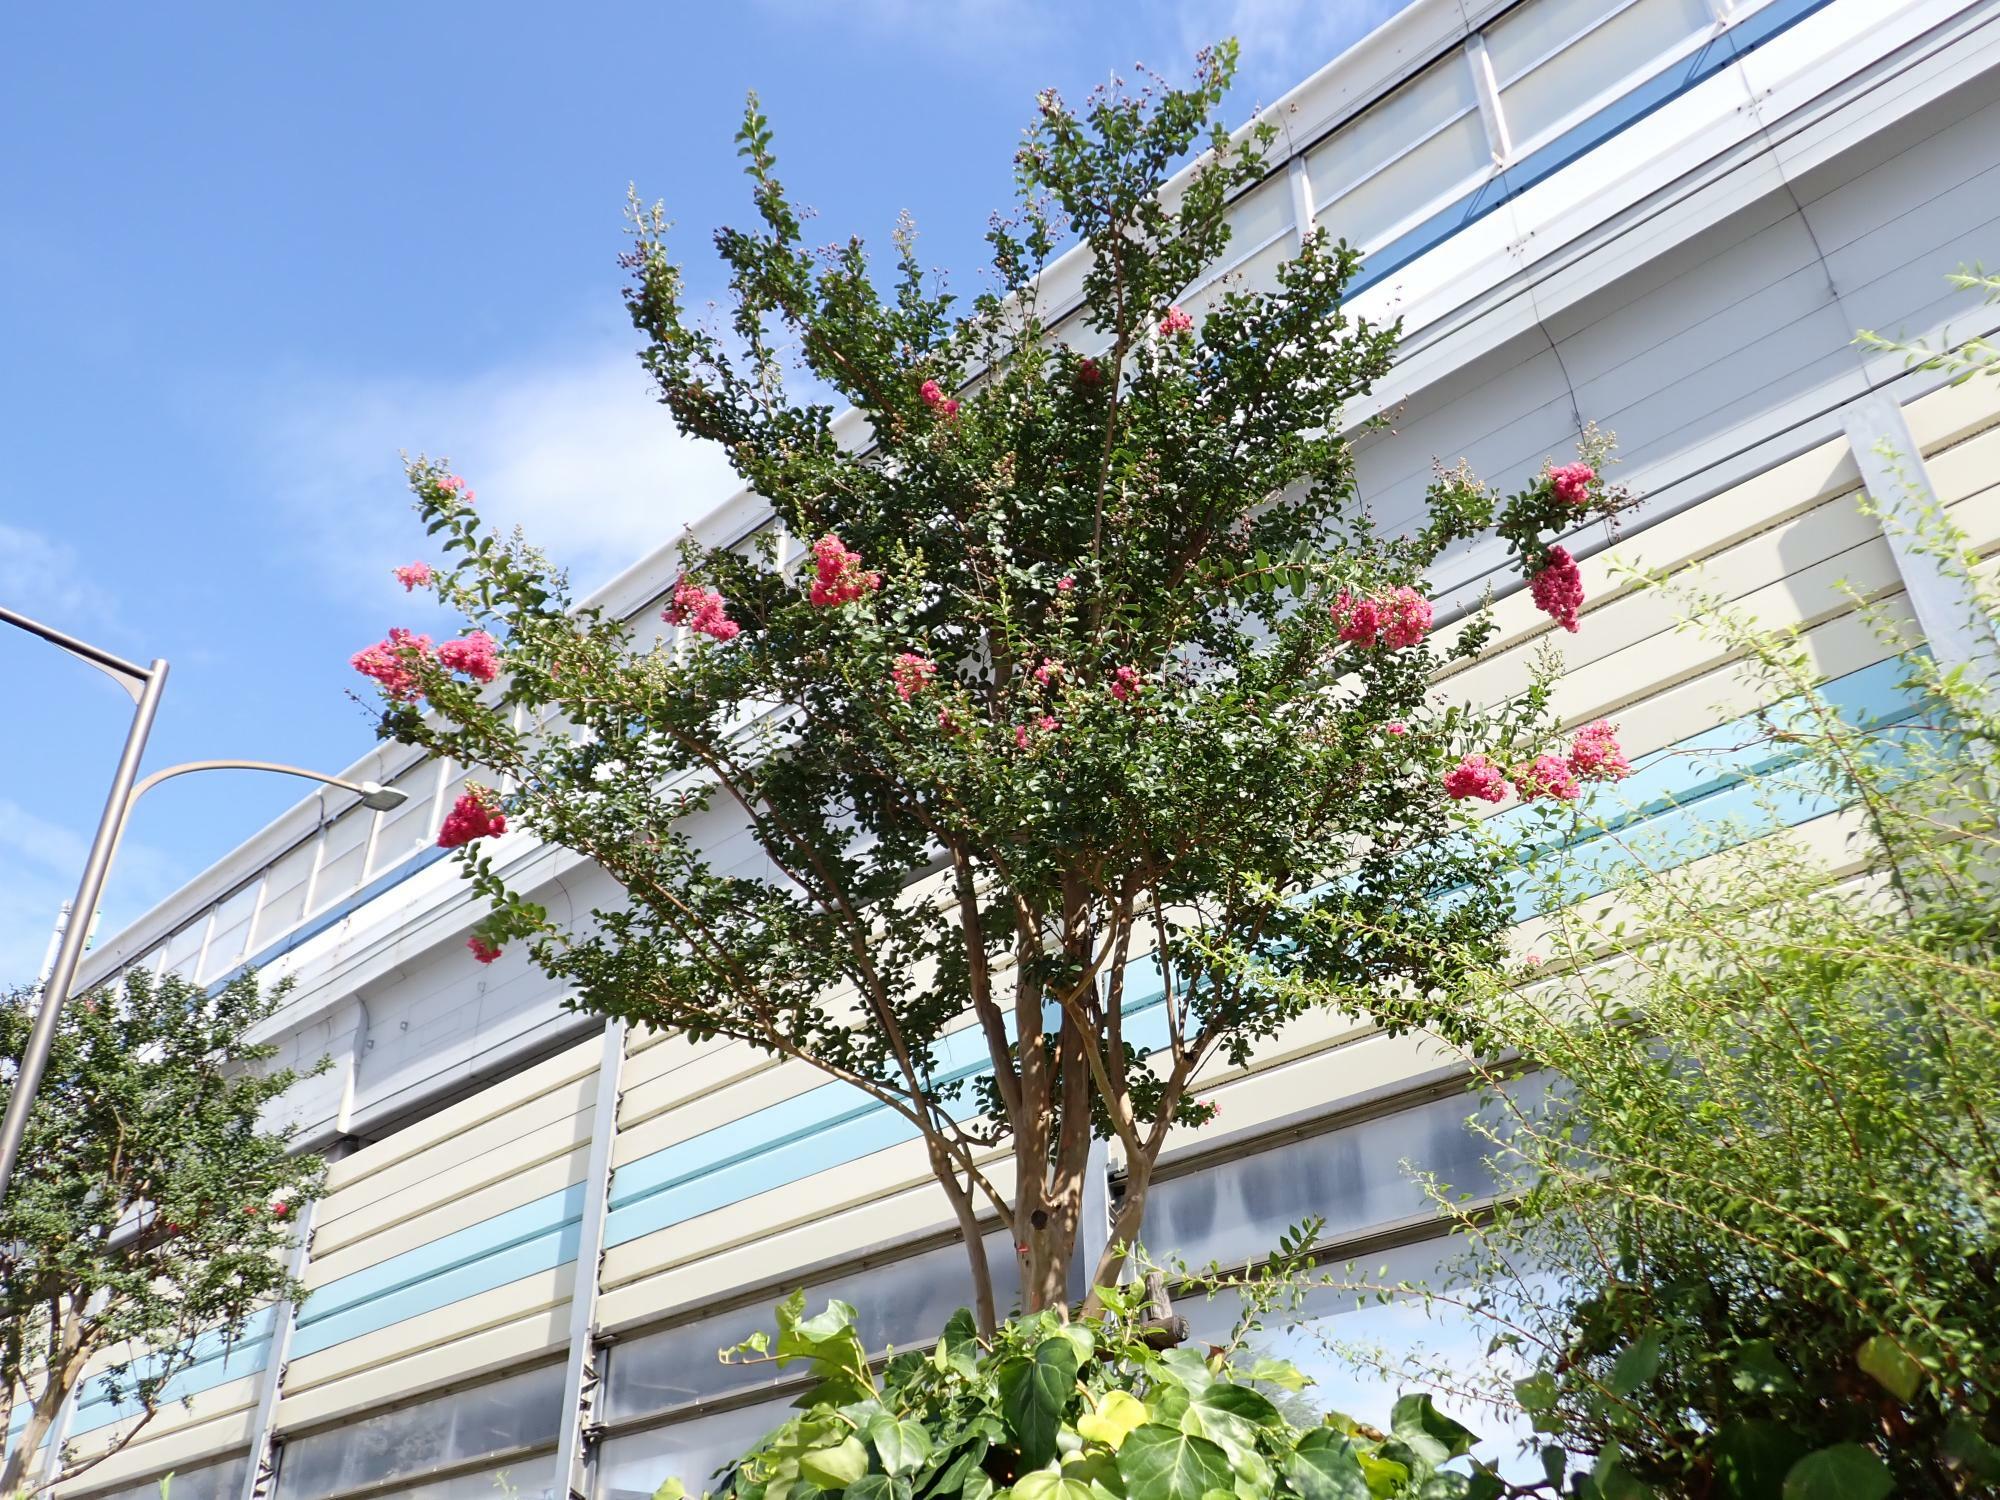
(1666, 216)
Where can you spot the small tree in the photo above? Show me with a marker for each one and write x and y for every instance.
(1096, 653)
(1754, 1244)
(152, 1207)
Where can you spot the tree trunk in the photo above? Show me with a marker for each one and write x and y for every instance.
(41, 1416)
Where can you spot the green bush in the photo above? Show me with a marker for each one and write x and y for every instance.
(1086, 1410)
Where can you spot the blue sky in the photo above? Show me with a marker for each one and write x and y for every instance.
(248, 254)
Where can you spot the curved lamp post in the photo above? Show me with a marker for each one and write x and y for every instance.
(144, 684)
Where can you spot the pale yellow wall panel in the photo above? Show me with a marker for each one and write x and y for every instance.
(668, 1270)
(214, 1422)
(546, 1117)
(453, 1213)
(1978, 516)
(1953, 413)
(467, 1114)
(534, 1311)
(722, 1070)
(498, 1179)
(1800, 548)
(761, 1083)
(1965, 468)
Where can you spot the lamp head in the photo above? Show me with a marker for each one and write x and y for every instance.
(381, 798)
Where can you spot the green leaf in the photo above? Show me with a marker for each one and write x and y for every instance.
(903, 1447)
(1163, 1463)
(1050, 1484)
(1752, 1457)
(1760, 1372)
(1282, 1373)
(1637, 1363)
(1893, 1370)
(837, 1467)
(1430, 1434)
(1034, 1391)
(1384, 1475)
(1187, 1369)
(1324, 1467)
(1098, 1470)
(1846, 1471)
(1967, 1447)
(671, 1489)
(1537, 1392)
(873, 1487)
(1114, 1419)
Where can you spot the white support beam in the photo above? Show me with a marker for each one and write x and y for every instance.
(1487, 88)
(580, 1376)
(1893, 473)
(258, 1472)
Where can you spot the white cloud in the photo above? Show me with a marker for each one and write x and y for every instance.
(43, 860)
(1284, 42)
(45, 578)
(577, 453)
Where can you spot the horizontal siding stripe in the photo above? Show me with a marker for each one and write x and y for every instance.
(217, 1362)
(1586, 135)
(537, 1236)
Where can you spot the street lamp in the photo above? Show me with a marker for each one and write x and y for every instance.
(144, 684)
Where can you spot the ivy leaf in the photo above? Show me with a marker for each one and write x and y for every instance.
(1050, 1484)
(836, 1467)
(1430, 1434)
(1846, 1471)
(1637, 1363)
(1113, 1421)
(903, 1447)
(1760, 1372)
(671, 1489)
(1893, 1370)
(1034, 1389)
(1752, 1457)
(1163, 1463)
(1967, 1447)
(1282, 1373)
(1324, 1466)
(1384, 1475)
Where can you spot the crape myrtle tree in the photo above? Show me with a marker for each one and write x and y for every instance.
(1094, 655)
(154, 1202)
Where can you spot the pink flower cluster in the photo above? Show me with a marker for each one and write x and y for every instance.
(482, 950)
(1476, 776)
(1399, 619)
(393, 663)
(1176, 321)
(476, 655)
(471, 817)
(457, 487)
(700, 610)
(1595, 754)
(1089, 372)
(839, 578)
(1024, 733)
(414, 575)
(1049, 671)
(1066, 583)
(1546, 776)
(912, 674)
(1571, 483)
(937, 400)
(1558, 589)
(1125, 684)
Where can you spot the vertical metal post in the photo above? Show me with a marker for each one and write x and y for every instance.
(258, 1472)
(1303, 209)
(1893, 473)
(1487, 88)
(34, 1062)
(579, 1376)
